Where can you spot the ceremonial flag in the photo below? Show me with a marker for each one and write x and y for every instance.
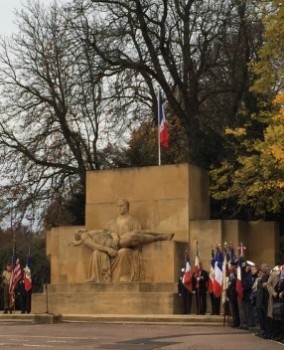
(197, 262)
(163, 126)
(217, 287)
(225, 279)
(27, 274)
(239, 286)
(211, 274)
(232, 256)
(186, 280)
(15, 274)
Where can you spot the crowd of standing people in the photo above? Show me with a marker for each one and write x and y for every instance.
(251, 295)
(262, 288)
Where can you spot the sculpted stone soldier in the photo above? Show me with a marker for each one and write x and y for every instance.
(115, 255)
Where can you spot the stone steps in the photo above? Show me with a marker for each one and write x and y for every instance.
(111, 318)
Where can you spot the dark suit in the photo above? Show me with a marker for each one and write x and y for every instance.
(201, 287)
(186, 297)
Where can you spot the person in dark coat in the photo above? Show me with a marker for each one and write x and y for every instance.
(245, 305)
(201, 280)
(25, 296)
(233, 296)
(185, 294)
(261, 300)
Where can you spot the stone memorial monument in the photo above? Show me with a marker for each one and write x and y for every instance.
(129, 263)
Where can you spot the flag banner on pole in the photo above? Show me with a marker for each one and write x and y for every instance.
(218, 285)
(27, 274)
(186, 280)
(225, 278)
(16, 275)
(197, 262)
(163, 126)
(232, 256)
(239, 286)
(211, 274)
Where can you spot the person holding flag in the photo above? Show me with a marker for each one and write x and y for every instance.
(25, 288)
(185, 285)
(202, 289)
(16, 275)
(215, 301)
(201, 278)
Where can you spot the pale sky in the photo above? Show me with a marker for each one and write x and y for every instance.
(7, 16)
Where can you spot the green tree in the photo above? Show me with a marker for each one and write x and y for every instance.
(253, 177)
(269, 67)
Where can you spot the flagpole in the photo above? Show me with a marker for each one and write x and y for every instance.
(11, 295)
(159, 113)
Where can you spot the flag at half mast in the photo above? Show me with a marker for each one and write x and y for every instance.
(163, 126)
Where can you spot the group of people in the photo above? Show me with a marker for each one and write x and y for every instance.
(250, 292)
(261, 288)
(196, 290)
(21, 289)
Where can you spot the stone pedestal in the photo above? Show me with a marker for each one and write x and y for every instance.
(156, 294)
(122, 298)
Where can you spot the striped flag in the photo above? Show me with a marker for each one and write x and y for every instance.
(225, 279)
(232, 256)
(197, 261)
(239, 286)
(16, 275)
(218, 269)
(27, 274)
(186, 280)
(211, 273)
(163, 126)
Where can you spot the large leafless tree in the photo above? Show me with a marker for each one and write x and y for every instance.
(54, 122)
(197, 52)
(75, 80)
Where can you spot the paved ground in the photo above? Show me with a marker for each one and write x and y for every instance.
(127, 336)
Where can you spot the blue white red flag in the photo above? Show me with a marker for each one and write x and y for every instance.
(163, 126)
(225, 278)
(197, 262)
(232, 256)
(27, 274)
(211, 275)
(218, 282)
(239, 286)
(186, 279)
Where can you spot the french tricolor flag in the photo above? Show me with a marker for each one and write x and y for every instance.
(239, 286)
(163, 126)
(211, 275)
(218, 282)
